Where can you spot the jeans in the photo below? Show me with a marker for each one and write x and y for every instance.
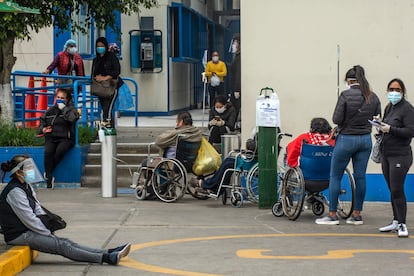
(347, 147)
(59, 246)
(213, 182)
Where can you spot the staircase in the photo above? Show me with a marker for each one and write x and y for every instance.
(132, 148)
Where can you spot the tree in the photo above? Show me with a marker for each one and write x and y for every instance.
(59, 14)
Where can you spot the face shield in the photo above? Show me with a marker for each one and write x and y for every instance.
(31, 172)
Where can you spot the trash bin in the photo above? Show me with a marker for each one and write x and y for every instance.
(108, 152)
(229, 142)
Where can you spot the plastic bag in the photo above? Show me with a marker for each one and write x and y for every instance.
(124, 101)
(215, 81)
(208, 160)
(376, 152)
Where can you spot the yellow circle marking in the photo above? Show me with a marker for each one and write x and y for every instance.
(254, 253)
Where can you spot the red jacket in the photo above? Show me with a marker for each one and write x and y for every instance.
(294, 148)
(63, 64)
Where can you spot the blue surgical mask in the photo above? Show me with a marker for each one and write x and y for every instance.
(29, 176)
(394, 97)
(101, 50)
(58, 101)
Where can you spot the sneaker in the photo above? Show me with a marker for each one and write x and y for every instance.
(355, 220)
(124, 251)
(328, 220)
(402, 230)
(390, 227)
(119, 248)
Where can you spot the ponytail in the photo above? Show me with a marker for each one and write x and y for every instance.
(358, 73)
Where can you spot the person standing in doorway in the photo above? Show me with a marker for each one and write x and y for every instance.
(355, 106)
(105, 66)
(397, 128)
(235, 80)
(216, 70)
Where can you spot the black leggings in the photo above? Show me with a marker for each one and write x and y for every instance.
(395, 169)
(107, 105)
(55, 150)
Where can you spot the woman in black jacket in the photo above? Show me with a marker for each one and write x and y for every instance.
(57, 124)
(355, 106)
(396, 155)
(105, 67)
(222, 118)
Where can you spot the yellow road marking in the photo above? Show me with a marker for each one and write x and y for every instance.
(255, 253)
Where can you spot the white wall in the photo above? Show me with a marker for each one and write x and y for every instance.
(291, 46)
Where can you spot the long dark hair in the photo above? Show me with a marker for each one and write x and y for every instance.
(400, 82)
(9, 165)
(358, 73)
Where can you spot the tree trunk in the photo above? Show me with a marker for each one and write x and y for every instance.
(7, 61)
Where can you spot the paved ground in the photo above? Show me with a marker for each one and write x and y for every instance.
(204, 237)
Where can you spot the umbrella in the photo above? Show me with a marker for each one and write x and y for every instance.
(9, 6)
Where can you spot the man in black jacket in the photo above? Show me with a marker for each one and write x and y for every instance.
(58, 127)
(235, 78)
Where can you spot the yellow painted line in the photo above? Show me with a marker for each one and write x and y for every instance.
(16, 259)
(129, 262)
(332, 254)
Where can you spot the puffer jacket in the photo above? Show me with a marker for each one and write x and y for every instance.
(350, 104)
(229, 116)
(61, 121)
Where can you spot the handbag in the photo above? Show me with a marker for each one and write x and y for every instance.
(103, 89)
(52, 221)
(376, 153)
(208, 160)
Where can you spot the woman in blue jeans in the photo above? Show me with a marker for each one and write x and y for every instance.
(355, 106)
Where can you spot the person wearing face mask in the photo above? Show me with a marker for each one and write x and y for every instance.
(355, 106)
(106, 66)
(19, 219)
(221, 119)
(235, 80)
(216, 70)
(57, 125)
(397, 128)
(67, 62)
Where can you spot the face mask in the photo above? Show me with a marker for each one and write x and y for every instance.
(101, 50)
(234, 48)
(29, 176)
(72, 50)
(394, 97)
(220, 110)
(215, 59)
(347, 85)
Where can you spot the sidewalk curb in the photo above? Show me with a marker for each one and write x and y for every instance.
(16, 259)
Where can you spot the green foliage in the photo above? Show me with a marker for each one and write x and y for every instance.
(12, 136)
(55, 12)
(86, 135)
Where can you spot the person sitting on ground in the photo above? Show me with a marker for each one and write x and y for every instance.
(211, 184)
(319, 134)
(221, 119)
(19, 221)
(168, 140)
(57, 124)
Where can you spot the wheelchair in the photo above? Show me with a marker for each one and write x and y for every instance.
(306, 183)
(166, 178)
(244, 179)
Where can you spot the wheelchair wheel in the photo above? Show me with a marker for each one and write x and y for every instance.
(346, 195)
(293, 193)
(169, 180)
(253, 184)
(318, 208)
(224, 196)
(141, 192)
(142, 182)
(277, 209)
(236, 199)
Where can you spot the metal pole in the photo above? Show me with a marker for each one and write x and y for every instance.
(204, 79)
(108, 152)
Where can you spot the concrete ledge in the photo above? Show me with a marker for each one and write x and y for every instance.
(15, 259)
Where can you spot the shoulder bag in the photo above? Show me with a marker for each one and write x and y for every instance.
(52, 221)
(103, 89)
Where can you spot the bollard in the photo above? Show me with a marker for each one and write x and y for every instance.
(108, 152)
(268, 121)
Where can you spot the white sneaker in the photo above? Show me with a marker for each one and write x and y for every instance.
(390, 227)
(328, 220)
(402, 230)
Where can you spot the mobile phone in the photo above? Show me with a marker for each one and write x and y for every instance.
(375, 123)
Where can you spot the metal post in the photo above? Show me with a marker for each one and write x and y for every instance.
(267, 141)
(108, 152)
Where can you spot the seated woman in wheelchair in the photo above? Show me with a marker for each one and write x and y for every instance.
(318, 134)
(211, 184)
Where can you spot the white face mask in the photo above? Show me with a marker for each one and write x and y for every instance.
(215, 58)
(72, 50)
(234, 47)
(220, 110)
